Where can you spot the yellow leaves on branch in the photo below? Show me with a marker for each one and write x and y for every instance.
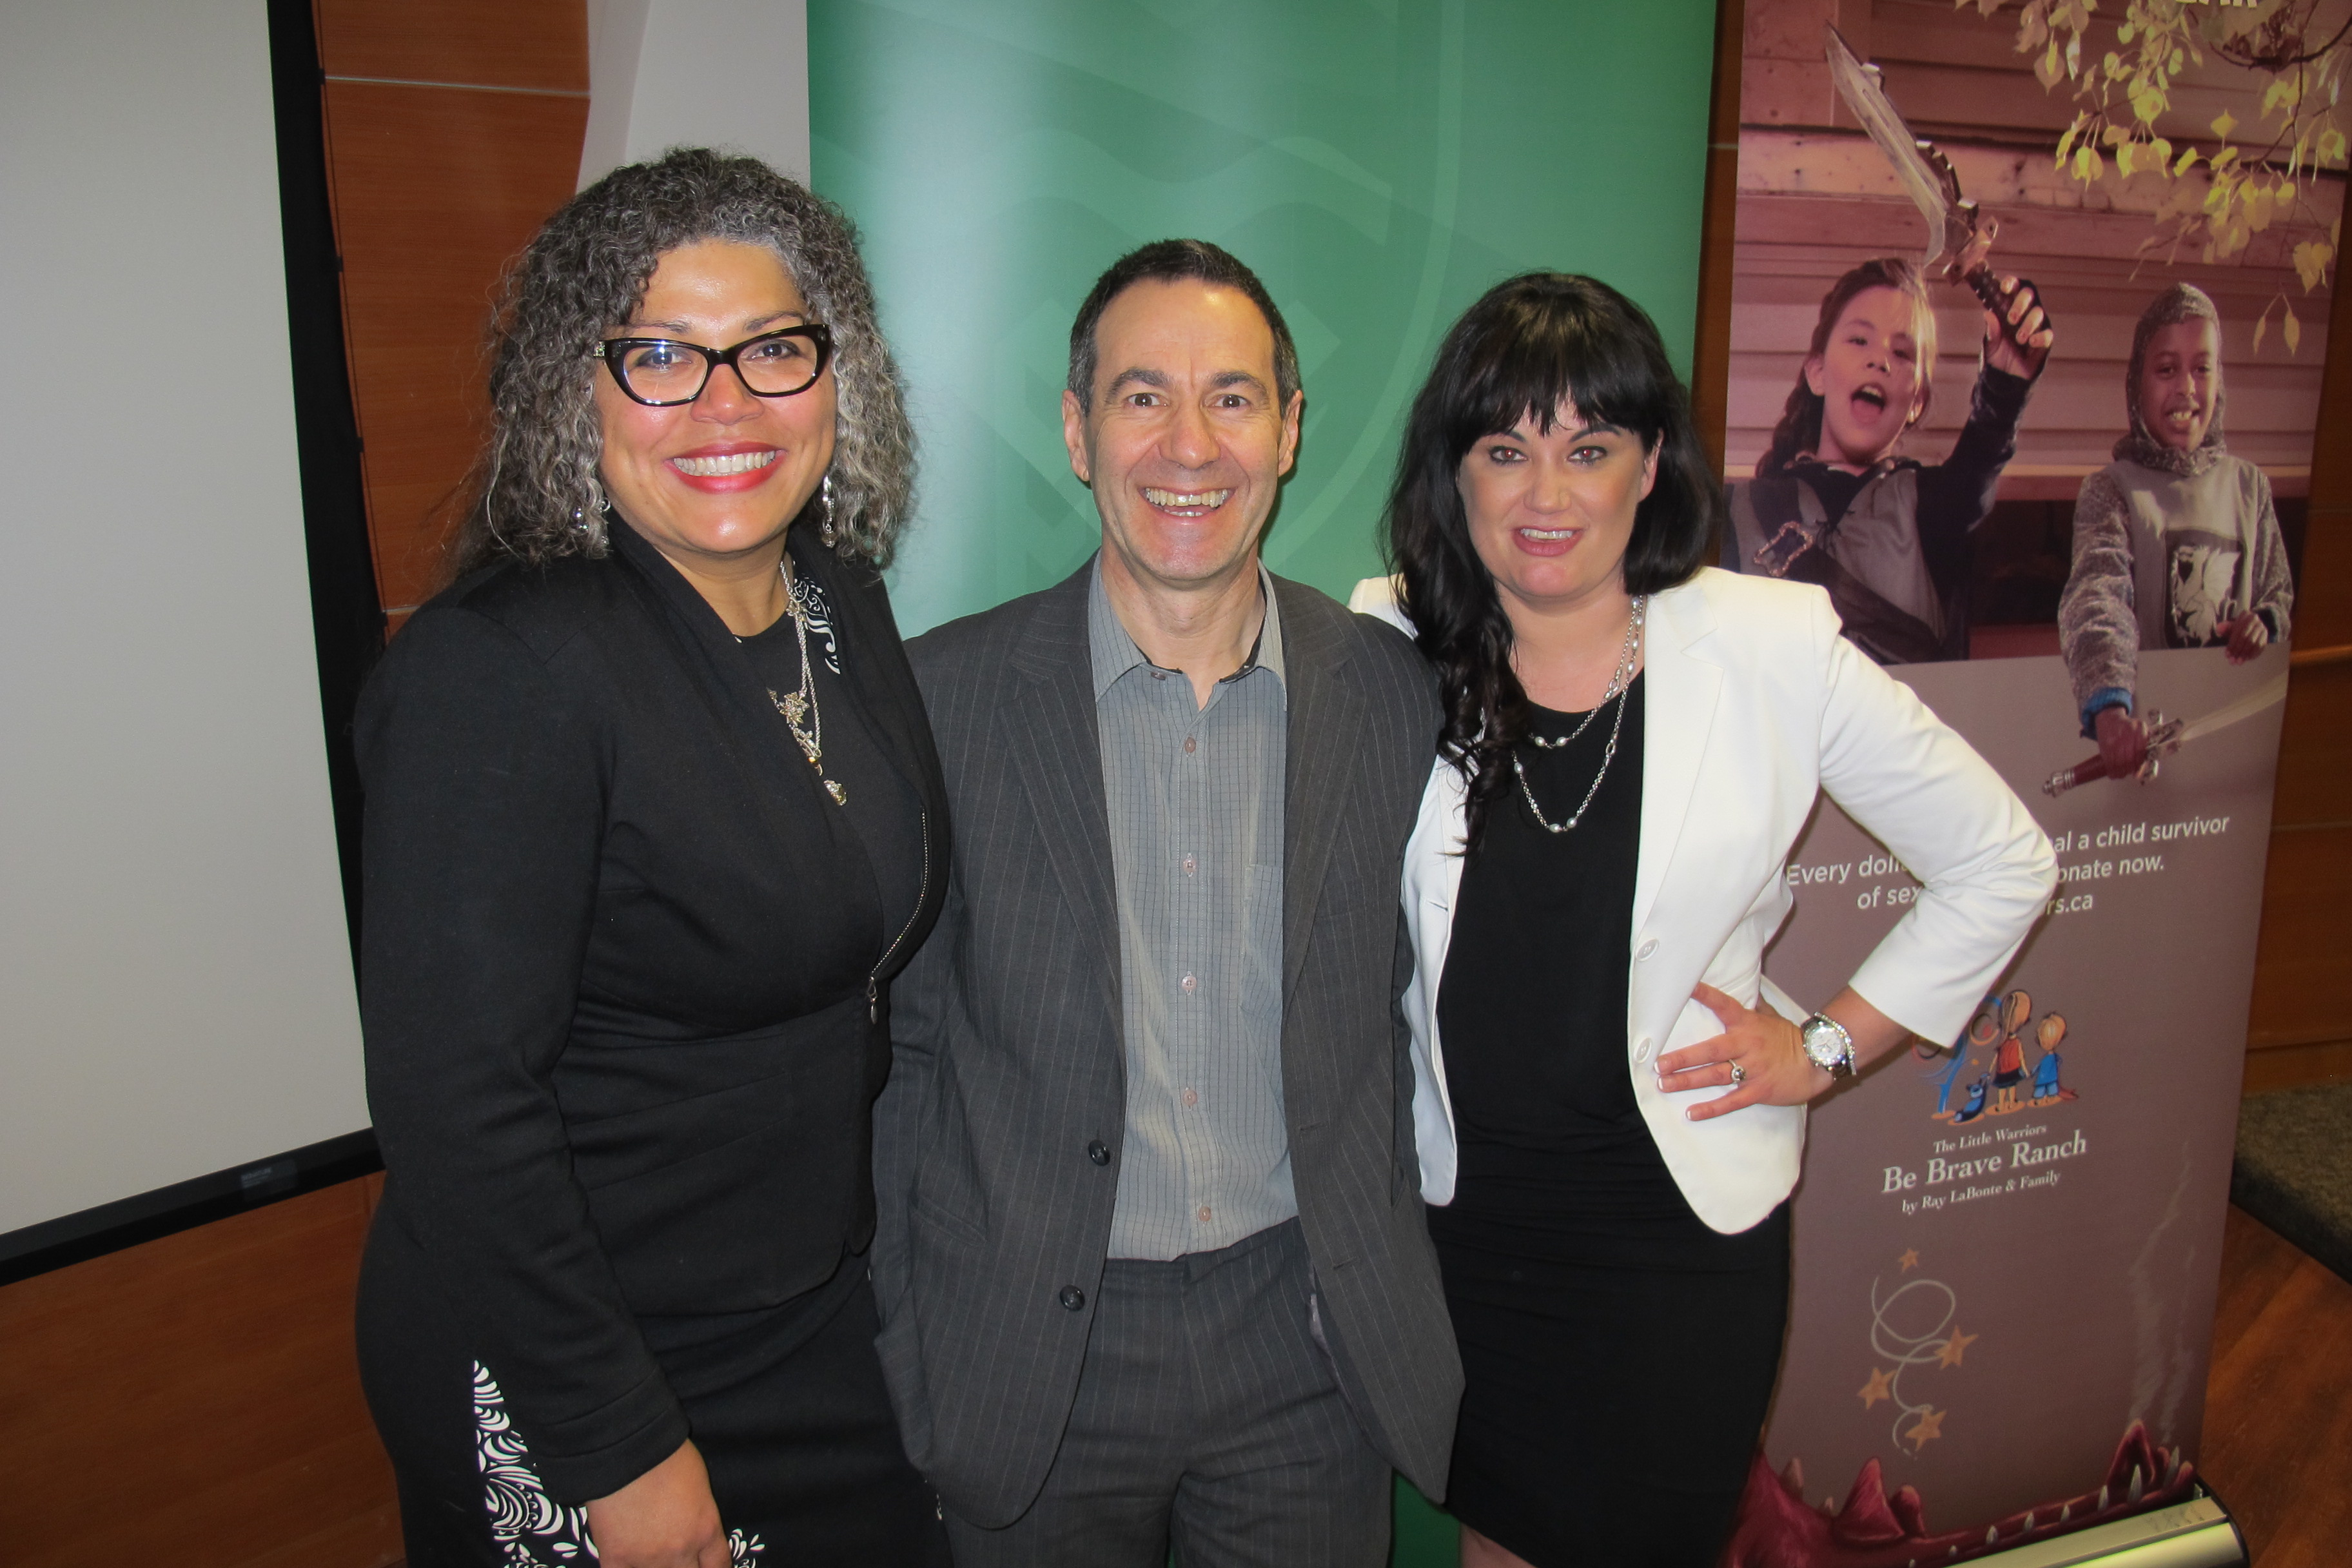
(2048, 68)
(2123, 96)
(2311, 261)
(2290, 324)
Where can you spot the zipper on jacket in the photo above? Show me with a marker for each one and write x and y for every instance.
(922, 891)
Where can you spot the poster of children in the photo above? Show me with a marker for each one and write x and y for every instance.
(2028, 317)
(2160, 211)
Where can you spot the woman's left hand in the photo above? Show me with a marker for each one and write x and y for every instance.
(1759, 1053)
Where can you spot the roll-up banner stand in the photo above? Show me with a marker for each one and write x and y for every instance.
(2008, 1243)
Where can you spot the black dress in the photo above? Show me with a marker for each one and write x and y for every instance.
(625, 985)
(1618, 1354)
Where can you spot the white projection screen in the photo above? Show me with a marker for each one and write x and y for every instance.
(176, 998)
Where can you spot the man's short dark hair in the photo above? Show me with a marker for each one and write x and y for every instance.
(1177, 261)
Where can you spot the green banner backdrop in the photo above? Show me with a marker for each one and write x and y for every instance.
(1379, 163)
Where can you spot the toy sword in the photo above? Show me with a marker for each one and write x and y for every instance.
(2166, 736)
(1957, 234)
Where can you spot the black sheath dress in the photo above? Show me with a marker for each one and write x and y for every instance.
(1618, 1355)
(626, 1005)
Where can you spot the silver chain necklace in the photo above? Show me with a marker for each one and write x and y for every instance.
(801, 716)
(1619, 684)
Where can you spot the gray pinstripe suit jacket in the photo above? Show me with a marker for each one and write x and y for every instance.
(1008, 1082)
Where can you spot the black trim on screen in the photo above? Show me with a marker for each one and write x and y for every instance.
(346, 614)
(184, 1206)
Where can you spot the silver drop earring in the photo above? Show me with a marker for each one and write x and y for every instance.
(825, 532)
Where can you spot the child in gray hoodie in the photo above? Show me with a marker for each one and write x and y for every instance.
(2175, 542)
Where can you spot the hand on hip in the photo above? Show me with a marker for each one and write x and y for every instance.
(1759, 1054)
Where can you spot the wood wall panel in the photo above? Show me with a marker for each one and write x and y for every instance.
(2315, 746)
(2296, 1067)
(436, 191)
(2302, 1009)
(533, 45)
(1711, 355)
(2299, 968)
(194, 1402)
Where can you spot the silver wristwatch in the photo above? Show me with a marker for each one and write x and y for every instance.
(1827, 1044)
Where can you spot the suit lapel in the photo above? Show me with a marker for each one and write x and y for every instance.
(1680, 709)
(1325, 731)
(1058, 753)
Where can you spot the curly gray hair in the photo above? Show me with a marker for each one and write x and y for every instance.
(535, 495)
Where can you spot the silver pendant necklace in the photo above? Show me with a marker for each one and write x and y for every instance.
(801, 716)
(1619, 684)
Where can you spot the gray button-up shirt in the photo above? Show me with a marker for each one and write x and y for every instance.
(1196, 802)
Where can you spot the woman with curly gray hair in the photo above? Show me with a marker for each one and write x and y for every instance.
(653, 819)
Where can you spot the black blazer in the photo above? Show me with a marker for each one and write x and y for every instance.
(623, 979)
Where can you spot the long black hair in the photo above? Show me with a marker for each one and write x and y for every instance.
(1530, 347)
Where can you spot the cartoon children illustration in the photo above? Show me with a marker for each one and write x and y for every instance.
(1976, 1101)
(2008, 1061)
(2175, 542)
(1983, 1029)
(1832, 503)
(2046, 1087)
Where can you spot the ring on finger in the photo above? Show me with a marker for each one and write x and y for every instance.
(1739, 1075)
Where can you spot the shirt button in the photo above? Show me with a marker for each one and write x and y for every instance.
(1191, 1099)
(1071, 1297)
(1646, 949)
(1204, 1213)
(1098, 1151)
(1159, 675)
(1191, 865)
(1191, 982)
(1190, 745)
(1641, 1049)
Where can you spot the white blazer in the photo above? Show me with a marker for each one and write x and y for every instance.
(1754, 704)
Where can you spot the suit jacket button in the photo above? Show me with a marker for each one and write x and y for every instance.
(1641, 1049)
(1098, 1151)
(1072, 1298)
(1646, 949)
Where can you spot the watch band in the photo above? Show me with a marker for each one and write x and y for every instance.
(1827, 1044)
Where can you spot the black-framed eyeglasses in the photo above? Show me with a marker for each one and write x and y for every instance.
(661, 373)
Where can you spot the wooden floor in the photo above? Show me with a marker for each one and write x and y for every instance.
(210, 1372)
(2278, 1414)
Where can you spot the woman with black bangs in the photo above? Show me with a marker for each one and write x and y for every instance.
(1631, 743)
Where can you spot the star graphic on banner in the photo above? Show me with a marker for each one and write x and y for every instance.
(1909, 1260)
(1929, 1428)
(1880, 1387)
(1955, 1347)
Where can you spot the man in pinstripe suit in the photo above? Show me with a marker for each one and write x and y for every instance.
(1152, 1260)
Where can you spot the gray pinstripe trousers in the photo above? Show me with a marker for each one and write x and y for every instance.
(1208, 1418)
